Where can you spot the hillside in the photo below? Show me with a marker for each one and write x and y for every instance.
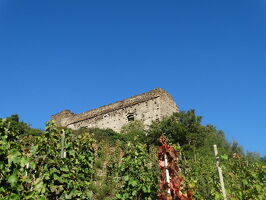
(58, 163)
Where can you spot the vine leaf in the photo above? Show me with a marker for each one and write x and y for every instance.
(13, 179)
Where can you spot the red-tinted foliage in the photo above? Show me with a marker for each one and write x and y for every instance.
(175, 179)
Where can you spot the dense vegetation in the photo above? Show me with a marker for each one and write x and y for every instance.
(101, 164)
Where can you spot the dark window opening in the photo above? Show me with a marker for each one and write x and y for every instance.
(130, 117)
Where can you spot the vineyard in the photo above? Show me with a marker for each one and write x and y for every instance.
(172, 160)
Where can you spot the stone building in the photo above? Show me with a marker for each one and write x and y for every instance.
(147, 107)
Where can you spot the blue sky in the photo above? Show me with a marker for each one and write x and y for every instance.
(78, 55)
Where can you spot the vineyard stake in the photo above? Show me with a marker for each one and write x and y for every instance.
(63, 154)
(219, 171)
(167, 173)
(27, 167)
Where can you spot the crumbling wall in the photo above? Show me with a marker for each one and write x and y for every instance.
(147, 107)
(147, 112)
(61, 118)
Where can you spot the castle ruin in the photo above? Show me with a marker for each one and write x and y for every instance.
(147, 107)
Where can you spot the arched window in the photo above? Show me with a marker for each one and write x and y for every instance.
(130, 117)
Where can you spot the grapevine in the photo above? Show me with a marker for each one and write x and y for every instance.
(167, 160)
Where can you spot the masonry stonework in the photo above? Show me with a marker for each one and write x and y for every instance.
(147, 107)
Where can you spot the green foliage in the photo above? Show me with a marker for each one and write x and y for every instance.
(185, 128)
(106, 179)
(107, 135)
(134, 131)
(140, 174)
(103, 164)
(135, 127)
(13, 179)
(21, 127)
(243, 179)
(198, 161)
(38, 171)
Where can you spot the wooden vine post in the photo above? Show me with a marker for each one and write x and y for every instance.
(167, 173)
(170, 180)
(219, 171)
(63, 153)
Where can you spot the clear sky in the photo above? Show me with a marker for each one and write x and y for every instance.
(78, 55)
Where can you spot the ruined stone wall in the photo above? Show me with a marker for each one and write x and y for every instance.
(147, 107)
(61, 118)
(168, 106)
(146, 111)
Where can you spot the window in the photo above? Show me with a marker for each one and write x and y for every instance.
(105, 116)
(130, 117)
